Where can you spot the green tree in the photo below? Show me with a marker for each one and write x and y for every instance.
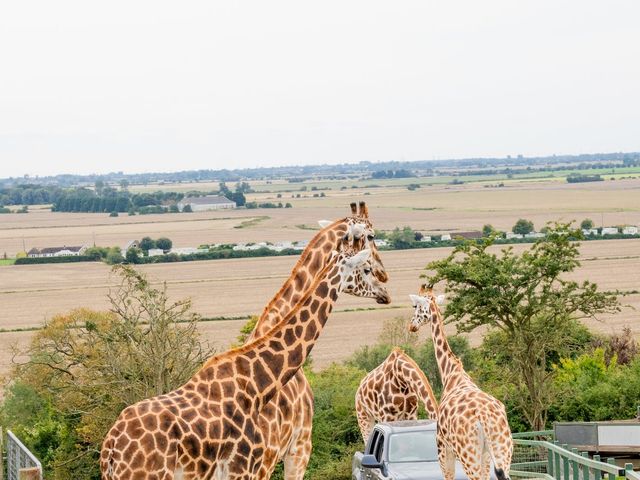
(83, 368)
(586, 224)
(523, 227)
(164, 243)
(114, 256)
(187, 208)
(487, 230)
(133, 255)
(146, 244)
(526, 297)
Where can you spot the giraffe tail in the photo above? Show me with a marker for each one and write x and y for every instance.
(485, 444)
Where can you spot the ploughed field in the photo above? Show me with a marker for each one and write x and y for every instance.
(431, 209)
(31, 294)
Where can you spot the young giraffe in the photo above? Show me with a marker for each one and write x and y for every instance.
(208, 428)
(391, 392)
(472, 425)
(286, 422)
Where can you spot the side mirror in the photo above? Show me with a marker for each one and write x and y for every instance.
(370, 461)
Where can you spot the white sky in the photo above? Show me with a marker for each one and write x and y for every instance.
(159, 86)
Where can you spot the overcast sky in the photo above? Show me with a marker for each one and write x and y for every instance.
(91, 87)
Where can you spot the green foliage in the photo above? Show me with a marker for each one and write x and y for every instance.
(522, 227)
(113, 214)
(488, 230)
(246, 330)
(114, 256)
(586, 224)
(164, 243)
(335, 427)
(133, 255)
(591, 389)
(526, 297)
(83, 368)
(61, 259)
(146, 244)
(187, 209)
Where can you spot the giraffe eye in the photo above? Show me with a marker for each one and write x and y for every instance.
(367, 271)
(370, 237)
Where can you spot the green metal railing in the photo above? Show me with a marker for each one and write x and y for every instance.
(536, 457)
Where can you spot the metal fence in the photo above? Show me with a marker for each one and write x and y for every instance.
(19, 456)
(539, 458)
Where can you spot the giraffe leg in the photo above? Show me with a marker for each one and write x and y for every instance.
(447, 459)
(297, 457)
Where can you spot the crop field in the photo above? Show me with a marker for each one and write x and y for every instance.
(235, 289)
(226, 292)
(430, 209)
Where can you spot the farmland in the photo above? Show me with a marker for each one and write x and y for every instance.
(226, 292)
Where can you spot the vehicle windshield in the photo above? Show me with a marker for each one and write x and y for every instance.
(413, 447)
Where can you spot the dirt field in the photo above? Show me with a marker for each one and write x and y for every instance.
(31, 294)
(430, 209)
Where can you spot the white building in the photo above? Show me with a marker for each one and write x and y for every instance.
(188, 250)
(534, 235)
(630, 230)
(56, 251)
(511, 235)
(156, 252)
(610, 231)
(589, 231)
(207, 202)
(445, 237)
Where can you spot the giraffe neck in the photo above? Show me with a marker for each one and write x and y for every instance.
(265, 365)
(417, 382)
(449, 365)
(311, 262)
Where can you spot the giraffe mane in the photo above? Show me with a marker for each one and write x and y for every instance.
(294, 310)
(301, 260)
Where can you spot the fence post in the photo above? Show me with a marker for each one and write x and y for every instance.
(550, 462)
(565, 464)
(611, 461)
(574, 466)
(585, 468)
(597, 473)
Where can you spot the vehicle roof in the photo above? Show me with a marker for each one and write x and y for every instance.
(407, 426)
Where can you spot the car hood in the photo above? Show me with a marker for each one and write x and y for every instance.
(421, 471)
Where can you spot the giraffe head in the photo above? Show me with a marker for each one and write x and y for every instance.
(425, 305)
(356, 272)
(365, 232)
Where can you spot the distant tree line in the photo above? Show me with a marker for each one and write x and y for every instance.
(577, 178)
(401, 173)
(468, 166)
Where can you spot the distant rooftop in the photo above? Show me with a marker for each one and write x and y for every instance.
(207, 200)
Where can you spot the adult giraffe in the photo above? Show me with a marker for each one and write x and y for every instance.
(472, 425)
(208, 428)
(286, 422)
(391, 391)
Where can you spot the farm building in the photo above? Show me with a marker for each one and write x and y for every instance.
(208, 202)
(56, 251)
(131, 244)
(630, 231)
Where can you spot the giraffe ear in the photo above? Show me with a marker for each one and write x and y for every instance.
(324, 223)
(417, 300)
(440, 299)
(359, 258)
